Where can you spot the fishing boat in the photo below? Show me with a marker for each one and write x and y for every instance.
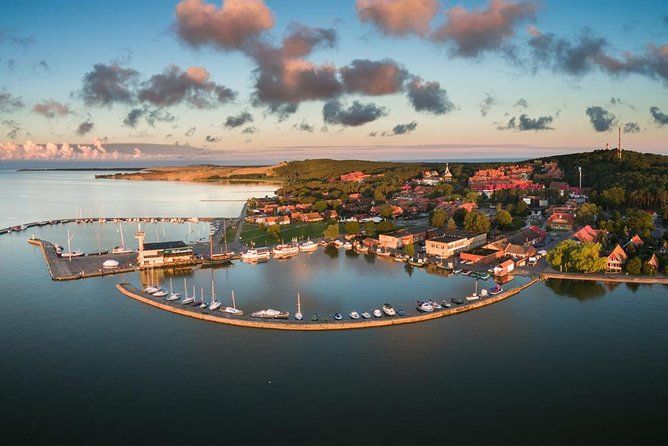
(377, 313)
(308, 246)
(424, 307)
(121, 249)
(354, 315)
(495, 290)
(347, 246)
(254, 255)
(233, 309)
(388, 310)
(337, 316)
(298, 315)
(474, 296)
(271, 314)
(283, 251)
(366, 315)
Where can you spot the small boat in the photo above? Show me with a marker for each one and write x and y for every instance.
(419, 263)
(271, 314)
(254, 255)
(361, 248)
(456, 271)
(436, 305)
(467, 272)
(150, 289)
(483, 293)
(383, 253)
(214, 305)
(424, 307)
(377, 313)
(399, 258)
(445, 304)
(338, 243)
(308, 246)
(388, 310)
(354, 315)
(401, 312)
(197, 302)
(495, 290)
(71, 254)
(189, 300)
(484, 276)
(283, 251)
(366, 315)
(233, 310)
(337, 316)
(314, 318)
(457, 300)
(172, 294)
(160, 293)
(298, 315)
(347, 246)
(203, 304)
(474, 296)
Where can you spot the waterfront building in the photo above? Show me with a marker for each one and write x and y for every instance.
(453, 242)
(401, 237)
(504, 268)
(160, 254)
(616, 260)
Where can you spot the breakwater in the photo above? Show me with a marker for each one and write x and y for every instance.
(245, 321)
(606, 278)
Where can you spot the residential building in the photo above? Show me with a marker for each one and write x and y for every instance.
(561, 221)
(616, 260)
(589, 234)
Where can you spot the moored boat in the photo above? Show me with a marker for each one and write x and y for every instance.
(424, 307)
(388, 310)
(347, 246)
(354, 315)
(366, 315)
(233, 310)
(298, 315)
(285, 250)
(271, 314)
(308, 246)
(254, 255)
(495, 290)
(377, 313)
(337, 316)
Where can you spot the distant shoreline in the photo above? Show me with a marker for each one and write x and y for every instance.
(80, 169)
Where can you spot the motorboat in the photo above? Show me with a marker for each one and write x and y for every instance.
(424, 307)
(467, 272)
(383, 253)
(283, 251)
(445, 304)
(354, 315)
(420, 262)
(160, 293)
(436, 305)
(457, 300)
(271, 314)
(401, 312)
(254, 255)
(399, 258)
(366, 315)
(483, 293)
(388, 310)
(484, 276)
(338, 243)
(298, 315)
(456, 271)
(377, 313)
(347, 246)
(338, 316)
(495, 290)
(314, 318)
(71, 254)
(361, 248)
(308, 246)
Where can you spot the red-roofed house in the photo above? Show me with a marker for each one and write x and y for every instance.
(616, 260)
(635, 241)
(561, 221)
(589, 234)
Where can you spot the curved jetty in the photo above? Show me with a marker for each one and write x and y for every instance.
(244, 321)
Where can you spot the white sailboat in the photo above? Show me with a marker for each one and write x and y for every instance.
(474, 296)
(233, 309)
(150, 289)
(298, 315)
(214, 303)
(213, 294)
(121, 249)
(188, 300)
(69, 254)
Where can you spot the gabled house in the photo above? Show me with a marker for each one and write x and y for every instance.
(616, 260)
(589, 234)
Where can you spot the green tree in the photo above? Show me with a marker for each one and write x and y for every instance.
(386, 211)
(451, 225)
(438, 218)
(477, 222)
(274, 231)
(613, 197)
(504, 219)
(331, 232)
(648, 269)
(634, 266)
(370, 228)
(385, 226)
(459, 216)
(471, 197)
(352, 227)
(570, 255)
(379, 196)
(319, 206)
(409, 249)
(637, 221)
(586, 214)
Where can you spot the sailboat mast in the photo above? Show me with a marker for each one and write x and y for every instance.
(185, 286)
(299, 304)
(234, 304)
(225, 233)
(120, 228)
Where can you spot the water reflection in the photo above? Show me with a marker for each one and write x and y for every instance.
(578, 289)
(332, 251)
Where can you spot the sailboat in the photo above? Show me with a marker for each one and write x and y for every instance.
(69, 254)
(150, 289)
(121, 249)
(197, 302)
(176, 296)
(188, 300)
(474, 296)
(233, 309)
(298, 315)
(213, 297)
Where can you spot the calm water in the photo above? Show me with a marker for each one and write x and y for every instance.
(561, 362)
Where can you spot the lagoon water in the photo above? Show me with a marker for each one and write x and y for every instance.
(80, 363)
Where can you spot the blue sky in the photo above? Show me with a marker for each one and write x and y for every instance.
(72, 36)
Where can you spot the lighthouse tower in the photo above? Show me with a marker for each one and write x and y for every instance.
(139, 235)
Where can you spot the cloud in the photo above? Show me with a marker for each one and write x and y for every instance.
(132, 118)
(487, 104)
(14, 128)
(401, 129)
(192, 87)
(398, 17)
(251, 129)
(238, 120)
(373, 78)
(301, 40)
(304, 127)
(473, 32)
(372, 134)
(9, 35)
(9, 103)
(190, 131)
(521, 102)
(659, 116)
(631, 127)
(85, 128)
(50, 151)
(334, 112)
(230, 27)
(589, 52)
(150, 115)
(51, 109)
(210, 138)
(429, 97)
(601, 119)
(525, 123)
(108, 84)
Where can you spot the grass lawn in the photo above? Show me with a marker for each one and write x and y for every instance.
(254, 233)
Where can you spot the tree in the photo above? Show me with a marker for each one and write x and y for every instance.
(352, 227)
(319, 206)
(471, 197)
(504, 219)
(332, 231)
(570, 255)
(634, 266)
(637, 221)
(385, 226)
(370, 228)
(379, 196)
(459, 216)
(439, 218)
(648, 269)
(613, 197)
(386, 211)
(274, 231)
(477, 222)
(409, 249)
(586, 214)
(451, 225)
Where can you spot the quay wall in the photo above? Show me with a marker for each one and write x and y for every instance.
(221, 318)
(605, 278)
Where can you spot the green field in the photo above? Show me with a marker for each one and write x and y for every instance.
(254, 233)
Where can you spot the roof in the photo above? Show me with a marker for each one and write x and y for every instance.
(164, 245)
(618, 253)
(587, 234)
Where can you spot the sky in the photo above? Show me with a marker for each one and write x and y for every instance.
(299, 78)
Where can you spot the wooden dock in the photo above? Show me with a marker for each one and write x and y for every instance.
(247, 321)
